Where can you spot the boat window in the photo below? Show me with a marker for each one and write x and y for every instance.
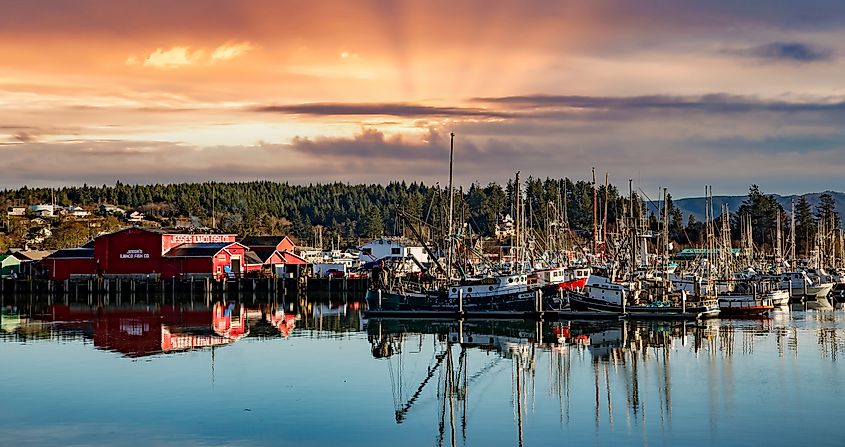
(454, 290)
(469, 289)
(490, 288)
(510, 279)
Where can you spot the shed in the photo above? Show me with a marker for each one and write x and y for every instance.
(9, 265)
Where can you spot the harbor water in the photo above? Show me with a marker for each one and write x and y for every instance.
(317, 372)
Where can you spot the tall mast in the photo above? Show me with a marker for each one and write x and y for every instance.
(792, 236)
(778, 242)
(518, 221)
(665, 250)
(632, 230)
(451, 206)
(604, 218)
(595, 215)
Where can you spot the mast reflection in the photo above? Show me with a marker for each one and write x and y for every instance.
(630, 366)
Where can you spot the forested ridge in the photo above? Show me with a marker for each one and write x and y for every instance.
(362, 210)
(346, 211)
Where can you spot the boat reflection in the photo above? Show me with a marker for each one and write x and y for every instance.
(630, 366)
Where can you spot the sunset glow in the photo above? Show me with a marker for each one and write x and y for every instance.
(671, 93)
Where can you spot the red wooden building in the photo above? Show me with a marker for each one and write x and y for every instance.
(63, 264)
(273, 251)
(149, 252)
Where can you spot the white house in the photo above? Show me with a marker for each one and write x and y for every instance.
(111, 209)
(17, 211)
(386, 248)
(43, 210)
(505, 227)
(77, 211)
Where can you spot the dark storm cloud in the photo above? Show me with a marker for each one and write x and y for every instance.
(407, 110)
(793, 52)
(371, 144)
(712, 103)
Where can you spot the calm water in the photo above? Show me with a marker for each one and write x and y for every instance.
(307, 373)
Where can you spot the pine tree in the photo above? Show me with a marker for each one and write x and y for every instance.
(826, 210)
(805, 227)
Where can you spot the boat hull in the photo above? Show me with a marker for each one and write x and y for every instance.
(580, 301)
(744, 306)
(524, 301)
(575, 284)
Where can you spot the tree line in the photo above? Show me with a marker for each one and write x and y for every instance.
(340, 211)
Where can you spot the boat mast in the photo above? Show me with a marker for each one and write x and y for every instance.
(778, 242)
(604, 218)
(595, 215)
(518, 221)
(664, 251)
(451, 207)
(792, 237)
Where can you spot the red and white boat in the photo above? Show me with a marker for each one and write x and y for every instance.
(556, 280)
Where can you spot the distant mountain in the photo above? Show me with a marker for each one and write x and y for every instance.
(695, 205)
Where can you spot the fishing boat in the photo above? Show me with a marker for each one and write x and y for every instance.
(562, 278)
(502, 292)
(779, 297)
(602, 295)
(749, 299)
(744, 305)
(802, 285)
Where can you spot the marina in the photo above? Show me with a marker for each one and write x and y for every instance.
(422, 223)
(308, 371)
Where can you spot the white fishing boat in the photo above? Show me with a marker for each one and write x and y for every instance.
(602, 295)
(801, 284)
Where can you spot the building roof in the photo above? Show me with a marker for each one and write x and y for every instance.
(251, 258)
(263, 253)
(292, 258)
(72, 253)
(201, 250)
(264, 241)
(400, 241)
(693, 253)
(31, 255)
(3, 259)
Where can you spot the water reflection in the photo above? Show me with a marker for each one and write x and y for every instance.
(144, 330)
(459, 382)
(631, 366)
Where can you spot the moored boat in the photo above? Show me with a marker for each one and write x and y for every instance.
(744, 305)
(506, 292)
(602, 295)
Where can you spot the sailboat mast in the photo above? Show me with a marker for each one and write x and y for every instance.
(792, 236)
(451, 206)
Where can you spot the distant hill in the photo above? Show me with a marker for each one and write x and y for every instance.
(695, 205)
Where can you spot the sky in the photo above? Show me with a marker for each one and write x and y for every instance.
(677, 94)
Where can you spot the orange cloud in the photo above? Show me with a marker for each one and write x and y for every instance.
(230, 51)
(181, 56)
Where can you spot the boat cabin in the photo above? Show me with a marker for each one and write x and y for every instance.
(489, 286)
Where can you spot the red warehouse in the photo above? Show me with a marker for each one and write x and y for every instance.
(63, 264)
(142, 251)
